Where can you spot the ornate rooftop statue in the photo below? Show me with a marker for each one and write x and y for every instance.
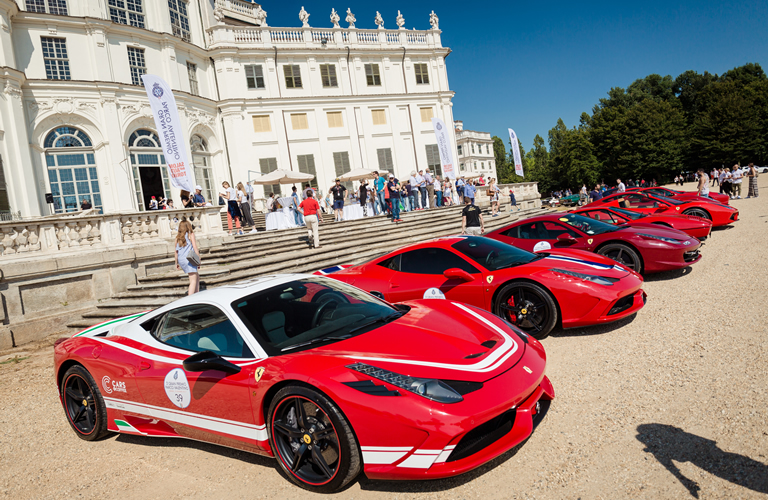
(400, 21)
(434, 21)
(335, 18)
(261, 16)
(379, 20)
(304, 17)
(350, 18)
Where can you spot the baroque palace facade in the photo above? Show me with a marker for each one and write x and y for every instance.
(75, 121)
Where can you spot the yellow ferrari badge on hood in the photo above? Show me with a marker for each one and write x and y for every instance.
(489, 279)
(258, 373)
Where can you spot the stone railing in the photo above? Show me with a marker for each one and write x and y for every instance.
(267, 37)
(85, 230)
(241, 10)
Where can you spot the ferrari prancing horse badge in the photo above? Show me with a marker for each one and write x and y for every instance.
(258, 373)
(489, 279)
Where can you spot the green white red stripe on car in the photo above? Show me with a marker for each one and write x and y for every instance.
(107, 323)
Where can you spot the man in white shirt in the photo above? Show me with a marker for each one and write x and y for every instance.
(622, 187)
(414, 186)
(430, 188)
(422, 185)
(736, 178)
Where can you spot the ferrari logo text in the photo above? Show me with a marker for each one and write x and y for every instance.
(489, 279)
(258, 373)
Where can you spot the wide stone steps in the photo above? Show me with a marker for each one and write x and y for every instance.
(349, 242)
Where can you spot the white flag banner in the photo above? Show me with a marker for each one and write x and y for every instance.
(516, 152)
(169, 129)
(444, 147)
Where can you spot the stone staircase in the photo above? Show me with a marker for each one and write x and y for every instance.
(260, 219)
(287, 251)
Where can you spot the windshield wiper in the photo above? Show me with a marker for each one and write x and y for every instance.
(383, 319)
(314, 341)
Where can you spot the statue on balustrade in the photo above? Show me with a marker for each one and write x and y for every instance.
(351, 18)
(335, 18)
(304, 17)
(434, 21)
(379, 20)
(400, 21)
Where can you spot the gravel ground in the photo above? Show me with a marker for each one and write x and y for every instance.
(668, 404)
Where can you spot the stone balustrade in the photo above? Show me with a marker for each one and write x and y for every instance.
(53, 234)
(268, 37)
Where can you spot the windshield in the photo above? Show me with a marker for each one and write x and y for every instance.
(305, 313)
(494, 255)
(587, 225)
(628, 213)
(673, 201)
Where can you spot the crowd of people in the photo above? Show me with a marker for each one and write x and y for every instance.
(729, 180)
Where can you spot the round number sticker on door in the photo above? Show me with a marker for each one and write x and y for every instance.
(434, 293)
(177, 388)
(542, 245)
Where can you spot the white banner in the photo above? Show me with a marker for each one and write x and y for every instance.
(169, 129)
(516, 153)
(444, 146)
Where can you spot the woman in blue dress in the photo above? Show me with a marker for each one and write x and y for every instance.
(185, 243)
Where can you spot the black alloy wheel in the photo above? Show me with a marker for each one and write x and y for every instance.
(83, 404)
(623, 254)
(312, 441)
(698, 212)
(528, 306)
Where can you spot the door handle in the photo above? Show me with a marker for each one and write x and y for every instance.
(145, 365)
(394, 285)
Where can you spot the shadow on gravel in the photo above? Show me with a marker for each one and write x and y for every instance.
(669, 275)
(593, 330)
(670, 444)
(721, 228)
(438, 485)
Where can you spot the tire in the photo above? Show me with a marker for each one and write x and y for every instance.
(623, 254)
(288, 437)
(698, 212)
(83, 404)
(528, 306)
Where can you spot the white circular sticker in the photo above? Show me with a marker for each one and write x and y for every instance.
(177, 388)
(542, 245)
(434, 293)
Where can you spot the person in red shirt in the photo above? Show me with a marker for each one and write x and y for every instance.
(309, 209)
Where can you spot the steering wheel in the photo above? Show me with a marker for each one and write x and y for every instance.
(325, 307)
(490, 260)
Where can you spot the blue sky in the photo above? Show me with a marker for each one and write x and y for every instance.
(526, 64)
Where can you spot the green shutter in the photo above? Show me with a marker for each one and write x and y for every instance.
(341, 164)
(307, 166)
(267, 165)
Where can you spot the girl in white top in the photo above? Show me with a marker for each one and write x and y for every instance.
(493, 194)
(233, 207)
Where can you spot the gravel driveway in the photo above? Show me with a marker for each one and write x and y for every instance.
(672, 403)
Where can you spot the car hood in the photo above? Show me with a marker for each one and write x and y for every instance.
(437, 339)
(581, 261)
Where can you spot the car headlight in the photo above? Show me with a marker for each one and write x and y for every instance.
(600, 280)
(433, 389)
(660, 238)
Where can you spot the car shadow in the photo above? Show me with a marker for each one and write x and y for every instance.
(722, 228)
(670, 444)
(584, 331)
(669, 275)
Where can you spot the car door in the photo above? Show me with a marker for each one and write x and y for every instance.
(208, 405)
(419, 274)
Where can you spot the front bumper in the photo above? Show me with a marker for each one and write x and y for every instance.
(436, 457)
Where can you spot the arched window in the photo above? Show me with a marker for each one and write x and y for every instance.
(202, 161)
(71, 169)
(150, 173)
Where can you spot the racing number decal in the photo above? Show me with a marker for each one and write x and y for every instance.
(542, 245)
(177, 388)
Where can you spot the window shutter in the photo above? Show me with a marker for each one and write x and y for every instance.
(299, 121)
(426, 114)
(385, 160)
(335, 119)
(261, 124)
(267, 165)
(379, 117)
(307, 166)
(341, 165)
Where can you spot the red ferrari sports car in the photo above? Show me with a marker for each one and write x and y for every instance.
(324, 377)
(719, 214)
(697, 227)
(683, 195)
(534, 292)
(642, 249)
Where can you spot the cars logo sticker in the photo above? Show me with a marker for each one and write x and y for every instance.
(177, 388)
(110, 385)
(434, 293)
(489, 279)
(542, 245)
(105, 384)
(258, 373)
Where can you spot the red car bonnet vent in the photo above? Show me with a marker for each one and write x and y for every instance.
(488, 343)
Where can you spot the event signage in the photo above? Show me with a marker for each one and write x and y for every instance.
(169, 129)
(516, 152)
(444, 146)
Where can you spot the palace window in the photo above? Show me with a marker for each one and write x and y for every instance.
(292, 76)
(384, 156)
(307, 166)
(299, 121)
(426, 114)
(192, 74)
(5, 204)
(267, 165)
(72, 173)
(379, 116)
(473, 148)
(55, 58)
(335, 119)
(202, 164)
(372, 76)
(341, 166)
(328, 75)
(433, 160)
(422, 76)
(179, 19)
(150, 173)
(137, 64)
(57, 7)
(261, 124)
(254, 76)
(128, 12)
(461, 153)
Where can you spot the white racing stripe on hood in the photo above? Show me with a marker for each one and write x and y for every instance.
(490, 363)
(572, 260)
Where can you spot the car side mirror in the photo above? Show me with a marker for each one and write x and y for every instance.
(458, 274)
(566, 238)
(207, 360)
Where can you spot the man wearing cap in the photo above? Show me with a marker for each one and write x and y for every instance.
(198, 198)
(338, 191)
(430, 185)
(394, 197)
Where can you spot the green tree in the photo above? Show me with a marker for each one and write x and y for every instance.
(577, 160)
(500, 156)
